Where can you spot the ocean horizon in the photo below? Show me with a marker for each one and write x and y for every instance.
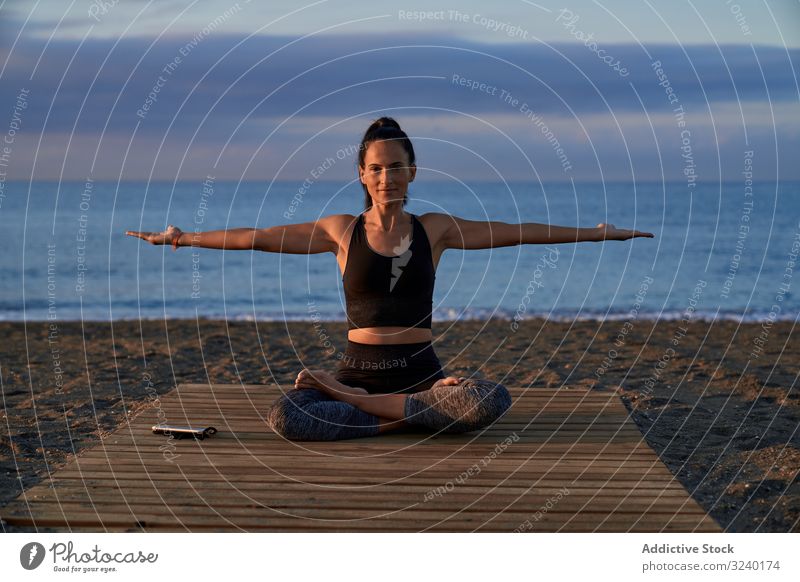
(717, 253)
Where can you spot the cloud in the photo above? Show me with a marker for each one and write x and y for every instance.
(207, 90)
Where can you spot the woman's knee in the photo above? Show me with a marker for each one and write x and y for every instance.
(285, 416)
(488, 401)
(308, 415)
(470, 405)
(279, 416)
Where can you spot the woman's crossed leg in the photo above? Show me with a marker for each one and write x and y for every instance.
(322, 408)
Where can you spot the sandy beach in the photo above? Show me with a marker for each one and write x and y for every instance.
(722, 420)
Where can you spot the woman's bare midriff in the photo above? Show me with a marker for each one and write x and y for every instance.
(389, 335)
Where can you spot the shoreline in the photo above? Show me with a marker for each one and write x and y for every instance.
(503, 316)
(723, 422)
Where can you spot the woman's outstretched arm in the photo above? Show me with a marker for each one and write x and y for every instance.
(306, 238)
(465, 234)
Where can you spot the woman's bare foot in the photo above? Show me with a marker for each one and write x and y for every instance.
(325, 382)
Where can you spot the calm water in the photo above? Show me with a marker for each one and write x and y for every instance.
(693, 263)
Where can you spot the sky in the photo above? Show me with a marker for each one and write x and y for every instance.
(516, 90)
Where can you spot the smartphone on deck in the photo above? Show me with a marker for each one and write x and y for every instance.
(184, 431)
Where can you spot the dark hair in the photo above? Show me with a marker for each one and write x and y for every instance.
(384, 128)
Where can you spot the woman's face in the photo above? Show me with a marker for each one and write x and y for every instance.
(386, 172)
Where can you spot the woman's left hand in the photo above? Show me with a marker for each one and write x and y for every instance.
(449, 381)
(611, 232)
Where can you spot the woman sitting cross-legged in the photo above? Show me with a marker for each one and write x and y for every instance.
(389, 377)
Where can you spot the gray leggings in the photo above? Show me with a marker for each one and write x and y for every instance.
(310, 415)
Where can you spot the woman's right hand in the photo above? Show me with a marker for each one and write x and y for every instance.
(158, 238)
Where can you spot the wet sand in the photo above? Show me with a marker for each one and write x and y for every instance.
(725, 422)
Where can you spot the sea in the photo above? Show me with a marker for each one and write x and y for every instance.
(721, 251)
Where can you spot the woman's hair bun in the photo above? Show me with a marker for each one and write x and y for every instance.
(384, 122)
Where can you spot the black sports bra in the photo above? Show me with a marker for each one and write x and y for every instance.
(389, 291)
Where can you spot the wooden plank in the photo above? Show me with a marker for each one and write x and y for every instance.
(454, 500)
(574, 452)
(380, 449)
(618, 484)
(312, 510)
(283, 491)
(551, 521)
(510, 514)
(278, 525)
(189, 462)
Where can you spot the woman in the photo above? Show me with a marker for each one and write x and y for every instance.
(389, 376)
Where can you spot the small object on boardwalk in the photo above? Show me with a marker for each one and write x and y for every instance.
(184, 431)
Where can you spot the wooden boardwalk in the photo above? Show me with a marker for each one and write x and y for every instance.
(565, 460)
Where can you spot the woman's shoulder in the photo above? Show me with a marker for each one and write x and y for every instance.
(436, 225)
(435, 222)
(434, 217)
(337, 224)
(338, 219)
